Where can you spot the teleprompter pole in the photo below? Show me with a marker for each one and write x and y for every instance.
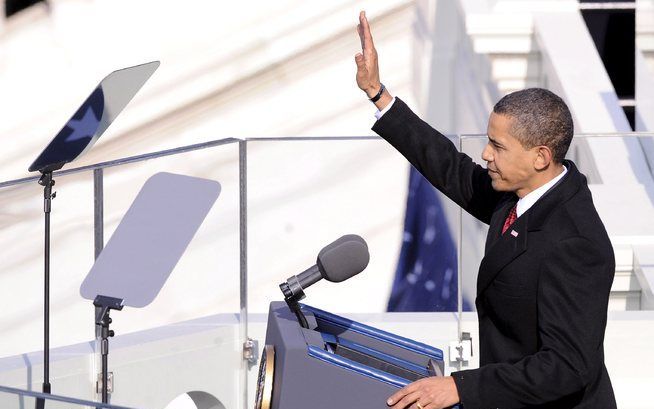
(104, 305)
(47, 182)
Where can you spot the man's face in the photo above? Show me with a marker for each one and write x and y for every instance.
(510, 165)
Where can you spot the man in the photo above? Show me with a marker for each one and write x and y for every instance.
(544, 282)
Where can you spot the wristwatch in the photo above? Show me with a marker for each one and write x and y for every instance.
(379, 94)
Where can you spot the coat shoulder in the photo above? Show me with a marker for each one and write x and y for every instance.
(578, 217)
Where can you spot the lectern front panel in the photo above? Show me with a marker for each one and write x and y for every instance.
(338, 363)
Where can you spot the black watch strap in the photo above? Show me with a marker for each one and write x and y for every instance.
(379, 94)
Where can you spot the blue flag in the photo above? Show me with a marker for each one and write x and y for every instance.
(426, 276)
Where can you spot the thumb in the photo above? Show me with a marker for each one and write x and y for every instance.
(358, 58)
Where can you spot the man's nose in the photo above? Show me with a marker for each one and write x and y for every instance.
(486, 154)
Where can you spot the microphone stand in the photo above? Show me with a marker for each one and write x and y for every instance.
(292, 302)
(47, 182)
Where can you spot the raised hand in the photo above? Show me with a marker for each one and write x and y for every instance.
(366, 60)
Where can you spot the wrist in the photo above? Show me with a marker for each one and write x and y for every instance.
(385, 99)
(378, 95)
(372, 90)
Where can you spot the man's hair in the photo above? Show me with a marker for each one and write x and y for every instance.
(538, 117)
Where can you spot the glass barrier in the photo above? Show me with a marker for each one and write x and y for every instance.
(206, 279)
(197, 310)
(195, 318)
(304, 194)
(21, 267)
(14, 398)
(301, 194)
(212, 258)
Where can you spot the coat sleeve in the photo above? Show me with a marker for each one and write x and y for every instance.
(437, 159)
(573, 292)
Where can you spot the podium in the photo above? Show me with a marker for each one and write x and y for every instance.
(336, 362)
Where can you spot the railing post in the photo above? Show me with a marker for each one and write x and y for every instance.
(459, 266)
(242, 175)
(98, 245)
(98, 211)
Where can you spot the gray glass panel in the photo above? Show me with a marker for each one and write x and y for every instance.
(151, 238)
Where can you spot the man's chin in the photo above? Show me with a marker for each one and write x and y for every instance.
(498, 186)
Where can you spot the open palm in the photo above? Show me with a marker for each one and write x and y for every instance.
(367, 65)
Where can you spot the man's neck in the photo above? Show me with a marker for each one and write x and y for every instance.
(541, 179)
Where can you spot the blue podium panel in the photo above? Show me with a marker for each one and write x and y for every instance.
(338, 362)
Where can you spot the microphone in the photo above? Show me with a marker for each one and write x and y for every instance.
(338, 261)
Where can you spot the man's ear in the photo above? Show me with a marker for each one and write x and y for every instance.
(543, 158)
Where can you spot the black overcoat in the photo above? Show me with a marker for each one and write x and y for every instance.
(542, 288)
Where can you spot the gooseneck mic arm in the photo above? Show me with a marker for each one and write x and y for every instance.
(294, 306)
(338, 261)
(293, 290)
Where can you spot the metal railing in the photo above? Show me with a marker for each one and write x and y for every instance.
(23, 396)
(98, 191)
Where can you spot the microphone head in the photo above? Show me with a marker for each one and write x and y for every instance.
(344, 258)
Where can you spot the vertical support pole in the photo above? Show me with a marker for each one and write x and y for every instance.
(98, 211)
(459, 268)
(47, 182)
(242, 175)
(98, 245)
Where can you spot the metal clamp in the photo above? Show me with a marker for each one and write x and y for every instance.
(110, 383)
(461, 351)
(250, 349)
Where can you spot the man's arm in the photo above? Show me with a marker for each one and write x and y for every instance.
(439, 161)
(431, 153)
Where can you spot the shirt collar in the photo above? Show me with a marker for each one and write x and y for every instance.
(532, 197)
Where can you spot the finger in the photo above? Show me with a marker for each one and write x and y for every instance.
(407, 401)
(424, 405)
(360, 31)
(410, 388)
(425, 400)
(367, 35)
(362, 17)
(360, 62)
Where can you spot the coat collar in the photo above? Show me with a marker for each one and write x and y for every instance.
(501, 249)
(558, 194)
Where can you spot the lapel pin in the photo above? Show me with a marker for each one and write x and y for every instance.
(514, 233)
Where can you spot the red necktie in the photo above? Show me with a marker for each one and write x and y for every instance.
(510, 218)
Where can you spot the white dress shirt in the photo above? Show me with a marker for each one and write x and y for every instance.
(532, 197)
(379, 113)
